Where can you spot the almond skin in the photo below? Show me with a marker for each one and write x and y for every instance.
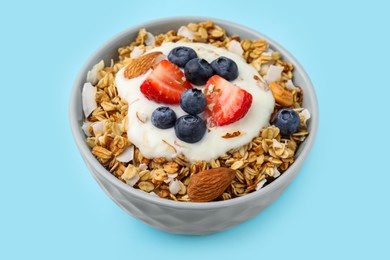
(282, 96)
(142, 64)
(209, 184)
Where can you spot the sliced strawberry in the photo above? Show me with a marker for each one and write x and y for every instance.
(165, 84)
(226, 102)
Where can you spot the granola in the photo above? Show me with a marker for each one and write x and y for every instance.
(256, 164)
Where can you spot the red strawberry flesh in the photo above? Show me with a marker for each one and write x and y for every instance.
(226, 102)
(165, 84)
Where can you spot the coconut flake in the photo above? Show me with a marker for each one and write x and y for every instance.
(137, 51)
(264, 68)
(88, 98)
(235, 47)
(185, 32)
(153, 194)
(170, 177)
(276, 172)
(127, 155)
(133, 180)
(149, 39)
(306, 114)
(92, 74)
(174, 187)
(85, 128)
(261, 184)
(290, 85)
(267, 53)
(274, 73)
(276, 144)
(98, 127)
(142, 166)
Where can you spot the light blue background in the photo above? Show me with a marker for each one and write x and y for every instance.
(336, 208)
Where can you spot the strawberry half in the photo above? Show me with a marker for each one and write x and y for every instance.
(165, 84)
(226, 102)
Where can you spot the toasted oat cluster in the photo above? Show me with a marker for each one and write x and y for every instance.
(241, 171)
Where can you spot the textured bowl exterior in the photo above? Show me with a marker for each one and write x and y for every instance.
(188, 217)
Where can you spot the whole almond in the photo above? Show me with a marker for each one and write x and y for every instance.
(142, 64)
(209, 184)
(282, 96)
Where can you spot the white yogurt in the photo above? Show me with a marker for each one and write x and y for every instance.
(154, 142)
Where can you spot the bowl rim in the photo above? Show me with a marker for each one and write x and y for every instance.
(88, 156)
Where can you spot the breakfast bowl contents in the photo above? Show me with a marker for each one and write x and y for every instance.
(178, 104)
(195, 117)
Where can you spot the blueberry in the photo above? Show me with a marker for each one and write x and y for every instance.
(190, 128)
(287, 120)
(181, 55)
(198, 71)
(163, 118)
(225, 67)
(193, 101)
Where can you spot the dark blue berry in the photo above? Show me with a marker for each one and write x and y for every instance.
(163, 118)
(225, 67)
(287, 120)
(181, 55)
(190, 128)
(193, 101)
(198, 71)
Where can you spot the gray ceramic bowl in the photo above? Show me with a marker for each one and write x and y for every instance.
(187, 217)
